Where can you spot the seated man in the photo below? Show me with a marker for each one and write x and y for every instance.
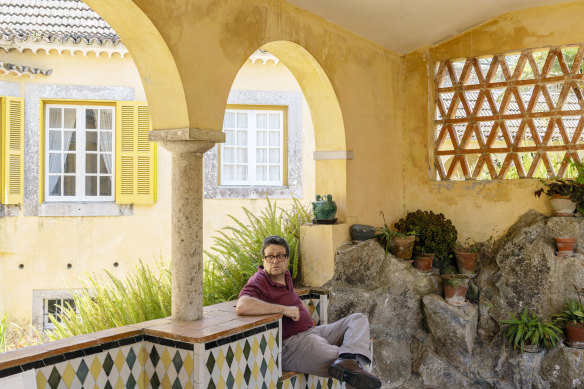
(339, 349)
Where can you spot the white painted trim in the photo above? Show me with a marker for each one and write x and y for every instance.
(337, 154)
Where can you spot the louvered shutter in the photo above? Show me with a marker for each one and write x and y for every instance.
(13, 151)
(135, 155)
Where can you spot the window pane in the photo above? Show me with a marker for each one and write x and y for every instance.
(241, 155)
(69, 163)
(70, 118)
(105, 141)
(274, 155)
(105, 186)
(261, 155)
(261, 172)
(105, 163)
(54, 140)
(91, 119)
(241, 120)
(274, 138)
(55, 185)
(242, 138)
(70, 143)
(274, 121)
(105, 119)
(261, 138)
(91, 186)
(91, 141)
(228, 154)
(241, 172)
(90, 163)
(55, 163)
(261, 121)
(229, 172)
(274, 173)
(229, 137)
(69, 186)
(55, 117)
(229, 121)
(52, 306)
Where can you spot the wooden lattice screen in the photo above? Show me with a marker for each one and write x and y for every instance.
(510, 115)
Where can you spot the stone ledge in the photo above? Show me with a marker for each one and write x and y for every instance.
(187, 134)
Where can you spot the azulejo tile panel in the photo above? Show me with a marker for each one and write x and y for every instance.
(114, 368)
(251, 361)
(308, 381)
(167, 367)
(318, 306)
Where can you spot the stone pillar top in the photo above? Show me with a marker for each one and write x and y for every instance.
(187, 134)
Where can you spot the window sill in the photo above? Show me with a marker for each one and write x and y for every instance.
(253, 192)
(85, 209)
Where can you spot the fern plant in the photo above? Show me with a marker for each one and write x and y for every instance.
(236, 251)
(529, 330)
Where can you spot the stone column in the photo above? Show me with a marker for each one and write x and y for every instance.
(187, 146)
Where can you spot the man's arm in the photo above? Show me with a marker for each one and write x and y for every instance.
(247, 305)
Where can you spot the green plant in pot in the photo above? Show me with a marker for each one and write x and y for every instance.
(399, 244)
(466, 258)
(434, 234)
(528, 333)
(455, 287)
(572, 318)
(562, 195)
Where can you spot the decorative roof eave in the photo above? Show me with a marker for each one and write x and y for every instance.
(8, 69)
(264, 56)
(85, 47)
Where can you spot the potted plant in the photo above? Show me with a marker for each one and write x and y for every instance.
(455, 287)
(434, 235)
(572, 317)
(399, 244)
(560, 192)
(564, 244)
(529, 333)
(466, 259)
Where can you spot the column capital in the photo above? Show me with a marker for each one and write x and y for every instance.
(187, 140)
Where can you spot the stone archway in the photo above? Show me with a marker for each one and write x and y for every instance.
(329, 130)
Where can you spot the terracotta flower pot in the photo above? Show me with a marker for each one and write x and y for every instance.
(562, 206)
(402, 247)
(575, 332)
(466, 262)
(423, 261)
(565, 244)
(455, 286)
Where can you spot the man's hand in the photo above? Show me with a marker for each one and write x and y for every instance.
(292, 312)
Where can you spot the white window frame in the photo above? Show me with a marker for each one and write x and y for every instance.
(251, 149)
(80, 155)
(60, 301)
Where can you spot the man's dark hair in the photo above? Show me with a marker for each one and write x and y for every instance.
(277, 240)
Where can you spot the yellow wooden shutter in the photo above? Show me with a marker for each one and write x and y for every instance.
(13, 151)
(135, 155)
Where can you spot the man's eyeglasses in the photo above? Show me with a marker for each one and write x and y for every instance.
(272, 258)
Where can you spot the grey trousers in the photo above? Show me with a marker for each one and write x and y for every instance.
(313, 351)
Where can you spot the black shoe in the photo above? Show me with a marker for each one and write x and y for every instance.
(349, 371)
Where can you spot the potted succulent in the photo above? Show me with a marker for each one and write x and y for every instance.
(466, 259)
(434, 235)
(529, 333)
(399, 244)
(455, 286)
(572, 317)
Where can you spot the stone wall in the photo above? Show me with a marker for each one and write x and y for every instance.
(421, 341)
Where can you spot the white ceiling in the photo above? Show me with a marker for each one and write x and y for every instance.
(405, 25)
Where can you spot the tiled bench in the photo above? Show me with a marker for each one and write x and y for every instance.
(222, 350)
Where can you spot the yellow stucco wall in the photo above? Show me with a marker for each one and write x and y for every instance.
(481, 209)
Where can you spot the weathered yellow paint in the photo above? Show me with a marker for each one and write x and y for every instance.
(480, 209)
(318, 244)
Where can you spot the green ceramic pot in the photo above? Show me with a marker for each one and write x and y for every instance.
(324, 208)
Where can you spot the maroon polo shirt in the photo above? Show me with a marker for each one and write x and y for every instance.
(262, 287)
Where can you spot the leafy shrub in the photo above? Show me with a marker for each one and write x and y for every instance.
(529, 330)
(236, 252)
(573, 312)
(3, 334)
(434, 234)
(138, 296)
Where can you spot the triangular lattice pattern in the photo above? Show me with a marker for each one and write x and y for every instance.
(510, 115)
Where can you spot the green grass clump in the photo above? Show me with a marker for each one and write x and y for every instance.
(3, 334)
(141, 295)
(236, 251)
